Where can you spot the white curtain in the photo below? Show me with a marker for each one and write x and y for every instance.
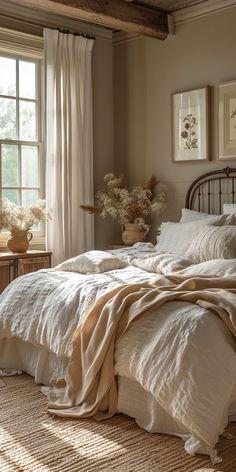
(69, 143)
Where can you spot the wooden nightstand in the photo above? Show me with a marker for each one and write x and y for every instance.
(13, 265)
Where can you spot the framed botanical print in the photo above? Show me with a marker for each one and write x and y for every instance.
(227, 120)
(190, 125)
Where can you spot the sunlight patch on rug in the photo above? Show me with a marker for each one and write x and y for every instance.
(86, 443)
(13, 449)
(207, 470)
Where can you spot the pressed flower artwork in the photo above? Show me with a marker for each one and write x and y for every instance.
(227, 120)
(232, 112)
(189, 133)
(190, 125)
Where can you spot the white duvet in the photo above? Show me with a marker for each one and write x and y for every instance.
(185, 357)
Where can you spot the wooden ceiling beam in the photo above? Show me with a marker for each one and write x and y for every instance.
(115, 14)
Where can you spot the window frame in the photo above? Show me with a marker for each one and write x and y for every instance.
(25, 47)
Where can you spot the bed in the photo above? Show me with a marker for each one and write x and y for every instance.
(175, 363)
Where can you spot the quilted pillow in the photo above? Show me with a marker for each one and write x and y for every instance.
(176, 238)
(92, 261)
(213, 242)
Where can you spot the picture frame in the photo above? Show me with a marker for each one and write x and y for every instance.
(227, 120)
(190, 125)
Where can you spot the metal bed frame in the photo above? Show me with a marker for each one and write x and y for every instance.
(210, 191)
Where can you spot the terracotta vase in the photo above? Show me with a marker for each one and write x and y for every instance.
(19, 240)
(132, 234)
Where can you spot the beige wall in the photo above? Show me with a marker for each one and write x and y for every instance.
(102, 69)
(146, 73)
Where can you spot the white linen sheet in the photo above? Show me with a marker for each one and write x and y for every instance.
(134, 401)
(171, 348)
(175, 356)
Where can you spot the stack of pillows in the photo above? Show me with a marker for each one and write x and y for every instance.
(200, 236)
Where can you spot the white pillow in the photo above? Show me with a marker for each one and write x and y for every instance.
(217, 267)
(92, 261)
(176, 238)
(213, 242)
(229, 208)
(192, 215)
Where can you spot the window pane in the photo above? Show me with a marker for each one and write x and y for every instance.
(7, 118)
(30, 166)
(26, 79)
(7, 76)
(27, 121)
(29, 196)
(19, 121)
(10, 168)
(11, 194)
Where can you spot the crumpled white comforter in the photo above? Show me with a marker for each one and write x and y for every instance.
(184, 356)
(45, 307)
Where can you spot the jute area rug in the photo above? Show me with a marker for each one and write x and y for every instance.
(31, 440)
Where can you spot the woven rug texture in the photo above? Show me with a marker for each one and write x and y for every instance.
(31, 440)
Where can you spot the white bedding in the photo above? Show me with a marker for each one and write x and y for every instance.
(54, 303)
(169, 354)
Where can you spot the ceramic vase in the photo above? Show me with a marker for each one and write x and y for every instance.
(19, 240)
(132, 234)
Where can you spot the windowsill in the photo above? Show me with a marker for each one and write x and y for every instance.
(38, 243)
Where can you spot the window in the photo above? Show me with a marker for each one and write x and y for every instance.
(21, 138)
(19, 129)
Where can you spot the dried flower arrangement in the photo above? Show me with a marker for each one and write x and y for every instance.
(14, 217)
(129, 206)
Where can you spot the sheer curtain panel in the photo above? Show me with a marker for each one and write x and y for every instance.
(69, 142)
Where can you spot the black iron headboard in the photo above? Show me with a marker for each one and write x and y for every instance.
(210, 191)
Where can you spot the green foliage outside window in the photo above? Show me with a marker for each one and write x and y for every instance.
(19, 162)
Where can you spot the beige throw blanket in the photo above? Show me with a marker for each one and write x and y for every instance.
(90, 388)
